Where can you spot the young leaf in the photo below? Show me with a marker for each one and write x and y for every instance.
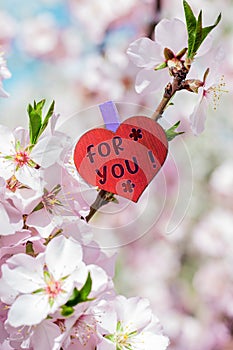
(191, 26)
(47, 117)
(207, 30)
(67, 311)
(198, 35)
(35, 121)
(81, 295)
(36, 125)
(171, 133)
(86, 289)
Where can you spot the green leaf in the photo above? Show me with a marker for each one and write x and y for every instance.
(207, 30)
(171, 133)
(47, 117)
(80, 296)
(35, 121)
(86, 289)
(36, 125)
(67, 311)
(198, 35)
(191, 26)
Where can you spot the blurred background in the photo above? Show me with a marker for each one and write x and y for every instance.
(176, 244)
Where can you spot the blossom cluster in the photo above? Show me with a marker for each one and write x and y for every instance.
(56, 282)
(56, 285)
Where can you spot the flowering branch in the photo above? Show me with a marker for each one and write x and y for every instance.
(147, 54)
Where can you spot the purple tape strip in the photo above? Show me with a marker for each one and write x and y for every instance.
(110, 115)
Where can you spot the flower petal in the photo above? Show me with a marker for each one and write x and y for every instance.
(28, 310)
(135, 312)
(7, 141)
(44, 335)
(10, 218)
(171, 34)
(198, 117)
(25, 274)
(148, 80)
(145, 53)
(63, 256)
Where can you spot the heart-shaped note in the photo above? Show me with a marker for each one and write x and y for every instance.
(125, 161)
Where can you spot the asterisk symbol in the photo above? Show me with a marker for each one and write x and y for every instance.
(136, 134)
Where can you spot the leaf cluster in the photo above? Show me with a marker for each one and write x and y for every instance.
(37, 124)
(196, 33)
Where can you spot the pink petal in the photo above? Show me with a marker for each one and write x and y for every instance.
(198, 117)
(10, 218)
(44, 335)
(148, 80)
(145, 53)
(171, 34)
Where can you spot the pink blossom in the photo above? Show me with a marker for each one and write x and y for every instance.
(43, 283)
(19, 159)
(38, 337)
(148, 54)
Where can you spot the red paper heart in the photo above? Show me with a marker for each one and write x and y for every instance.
(122, 162)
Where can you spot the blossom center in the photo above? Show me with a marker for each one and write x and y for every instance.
(53, 288)
(123, 338)
(21, 158)
(50, 200)
(84, 328)
(216, 92)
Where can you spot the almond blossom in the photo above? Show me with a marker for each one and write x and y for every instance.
(149, 54)
(209, 90)
(129, 324)
(19, 159)
(43, 283)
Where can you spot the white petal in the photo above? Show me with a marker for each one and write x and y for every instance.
(148, 80)
(7, 294)
(171, 34)
(7, 141)
(7, 167)
(26, 274)
(99, 279)
(205, 46)
(29, 176)
(28, 310)
(106, 345)
(198, 117)
(145, 53)
(48, 150)
(134, 312)
(151, 341)
(63, 256)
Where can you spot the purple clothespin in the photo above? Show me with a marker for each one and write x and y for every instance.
(110, 115)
